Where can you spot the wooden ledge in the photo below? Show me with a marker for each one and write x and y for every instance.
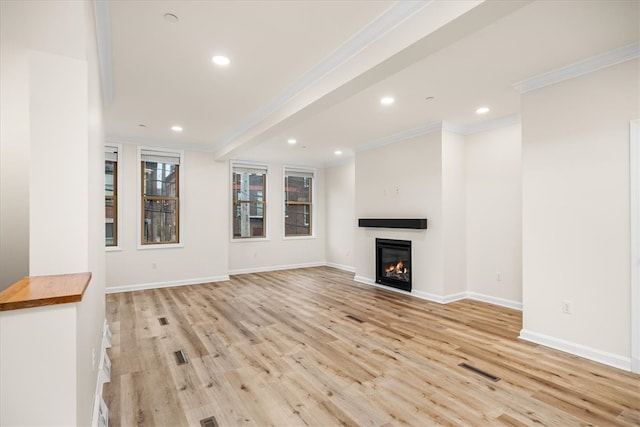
(38, 291)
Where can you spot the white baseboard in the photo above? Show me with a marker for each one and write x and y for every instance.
(367, 281)
(415, 293)
(168, 284)
(341, 267)
(276, 268)
(441, 299)
(596, 355)
(495, 300)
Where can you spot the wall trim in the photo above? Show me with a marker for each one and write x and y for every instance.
(580, 350)
(346, 268)
(440, 299)
(276, 268)
(580, 68)
(503, 302)
(446, 299)
(401, 136)
(497, 123)
(487, 125)
(390, 18)
(167, 284)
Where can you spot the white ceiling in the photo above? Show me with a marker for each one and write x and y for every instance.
(315, 70)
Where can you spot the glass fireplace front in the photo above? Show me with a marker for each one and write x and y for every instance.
(393, 263)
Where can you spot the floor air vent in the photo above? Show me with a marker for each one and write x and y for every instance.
(163, 321)
(479, 372)
(209, 422)
(181, 358)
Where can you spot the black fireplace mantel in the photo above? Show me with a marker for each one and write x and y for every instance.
(410, 223)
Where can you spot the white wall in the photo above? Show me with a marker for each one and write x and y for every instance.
(494, 214)
(204, 229)
(409, 186)
(276, 252)
(340, 215)
(91, 312)
(51, 118)
(454, 214)
(575, 163)
(469, 188)
(58, 190)
(14, 162)
(37, 358)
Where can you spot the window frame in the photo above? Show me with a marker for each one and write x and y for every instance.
(118, 206)
(180, 235)
(256, 166)
(286, 171)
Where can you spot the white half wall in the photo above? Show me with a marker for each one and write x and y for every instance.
(576, 232)
(494, 213)
(340, 215)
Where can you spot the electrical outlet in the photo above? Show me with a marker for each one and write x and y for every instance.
(154, 265)
(93, 358)
(566, 307)
(499, 277)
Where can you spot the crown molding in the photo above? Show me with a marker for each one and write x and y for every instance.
(103, 42)
(487, 125)
(580, 68)
(401, 136)
(344, 160)
(394, 15)
(157, 143)
(500, 122)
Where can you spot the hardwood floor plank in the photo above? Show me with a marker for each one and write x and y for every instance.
(310, 347)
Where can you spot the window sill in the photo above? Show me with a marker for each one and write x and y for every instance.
(161, 246)
(112, 249)
(299, 237)
(250, 240)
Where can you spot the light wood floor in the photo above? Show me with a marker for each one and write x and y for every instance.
(312, 347)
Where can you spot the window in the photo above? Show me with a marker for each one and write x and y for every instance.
(160, 197)
(298, 199)
(111, 195)
(249, 183)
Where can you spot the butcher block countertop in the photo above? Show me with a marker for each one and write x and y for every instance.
(38, 291)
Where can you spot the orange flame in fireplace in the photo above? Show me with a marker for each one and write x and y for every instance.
(398, 268)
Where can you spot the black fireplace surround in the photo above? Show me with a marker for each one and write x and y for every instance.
(393, 263)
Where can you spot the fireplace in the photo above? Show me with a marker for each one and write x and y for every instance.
(393, 263)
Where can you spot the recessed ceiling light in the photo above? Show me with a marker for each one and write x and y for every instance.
(387, 100)
(337, 152)
(430, 98)
(482, 110)
(176, 128)
(221, 60)
(291, 141)
(142, 125)
(170, 17)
